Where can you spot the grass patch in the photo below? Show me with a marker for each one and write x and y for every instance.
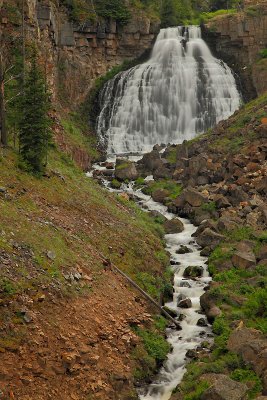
(172, 187)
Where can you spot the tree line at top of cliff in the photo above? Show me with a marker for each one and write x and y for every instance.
(170, 12)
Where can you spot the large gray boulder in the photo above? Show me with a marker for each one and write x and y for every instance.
(174, 225)
(224, 388)
(125, 169)
(192, 197)
(209, 238)
(244, 257)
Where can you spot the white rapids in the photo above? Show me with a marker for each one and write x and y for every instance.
(181, 91)
(191, 336)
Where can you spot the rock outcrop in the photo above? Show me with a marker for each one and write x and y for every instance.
(75, 54)
(238, 39)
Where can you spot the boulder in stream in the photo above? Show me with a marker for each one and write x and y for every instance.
(193, 271)
(185, 303)
(125, 169)
(174, 225)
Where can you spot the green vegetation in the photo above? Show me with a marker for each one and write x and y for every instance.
(250, 378)
(253, 11)
(152, 351)
(263, 53)
(115, 184)
(197, 393)
(78, 135)
(35, 124)
(82, 10)
(171, 186)
(210, 206)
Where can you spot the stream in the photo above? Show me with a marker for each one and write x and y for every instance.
(182, 90)
(191, 336)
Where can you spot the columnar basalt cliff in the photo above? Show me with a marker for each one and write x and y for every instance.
(238, 39)
(76, 54)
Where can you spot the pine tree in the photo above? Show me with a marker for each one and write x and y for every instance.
(34, 130)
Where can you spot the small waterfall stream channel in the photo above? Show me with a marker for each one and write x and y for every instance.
(193, 333)
(181, 91)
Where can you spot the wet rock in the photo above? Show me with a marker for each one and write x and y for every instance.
(184, 250)
(160, 195)
(125, 169)
(206, 251)
(158, 215)
(202, 322)
(209, 238)
(224, 388)
(174, 262)
(191, 354)
(109, 165)
(181, 297)
(174, 225)
(193, 271)
(149, 163)
(185, 284)
(185, 303)
(171, 312)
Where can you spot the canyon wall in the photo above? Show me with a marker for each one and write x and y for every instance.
(238, 39)
(74, 54)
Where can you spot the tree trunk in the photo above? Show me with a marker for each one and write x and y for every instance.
(2, 105)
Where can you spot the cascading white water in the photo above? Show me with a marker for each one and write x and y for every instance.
(191, 335)
(181, 91)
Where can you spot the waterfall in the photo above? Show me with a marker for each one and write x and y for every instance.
(180, 92)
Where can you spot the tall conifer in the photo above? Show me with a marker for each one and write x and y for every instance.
(35, 132)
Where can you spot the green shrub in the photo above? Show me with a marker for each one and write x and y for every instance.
(210, 206)
(115, 184)
(156, 346)
(249, 377)
(253, 11)
(171, 186)
(7, 287)
(198, 392)
(139, 181)
(263, 53)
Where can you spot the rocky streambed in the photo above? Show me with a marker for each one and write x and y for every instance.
(191, 279)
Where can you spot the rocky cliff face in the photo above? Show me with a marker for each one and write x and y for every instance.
(238, 39)
(74, 55)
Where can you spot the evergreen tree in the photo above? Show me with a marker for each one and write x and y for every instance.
(34, 129)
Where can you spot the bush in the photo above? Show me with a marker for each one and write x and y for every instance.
(155, 345)
(197, 394)
(248, 376)
(263, 53)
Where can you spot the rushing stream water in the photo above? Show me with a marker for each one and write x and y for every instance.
(191, 336)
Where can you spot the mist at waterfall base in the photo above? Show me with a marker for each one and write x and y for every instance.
(180, 92)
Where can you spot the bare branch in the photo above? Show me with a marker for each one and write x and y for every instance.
(9, 69)
(12, 78)
(12, 98)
